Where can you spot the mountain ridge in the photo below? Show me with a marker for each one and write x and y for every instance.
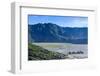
(49, 32)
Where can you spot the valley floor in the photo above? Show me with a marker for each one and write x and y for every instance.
(60, 50)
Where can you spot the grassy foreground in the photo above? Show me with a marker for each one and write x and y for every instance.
(38, 53)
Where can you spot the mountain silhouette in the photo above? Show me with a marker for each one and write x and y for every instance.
(49, 32)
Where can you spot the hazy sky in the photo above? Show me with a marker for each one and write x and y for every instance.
(65, 21)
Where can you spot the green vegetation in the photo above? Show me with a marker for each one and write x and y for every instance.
(38, 53)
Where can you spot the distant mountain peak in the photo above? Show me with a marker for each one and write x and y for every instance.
(50, 32)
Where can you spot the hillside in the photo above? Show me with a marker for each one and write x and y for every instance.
(38, 53)
(49, 32)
